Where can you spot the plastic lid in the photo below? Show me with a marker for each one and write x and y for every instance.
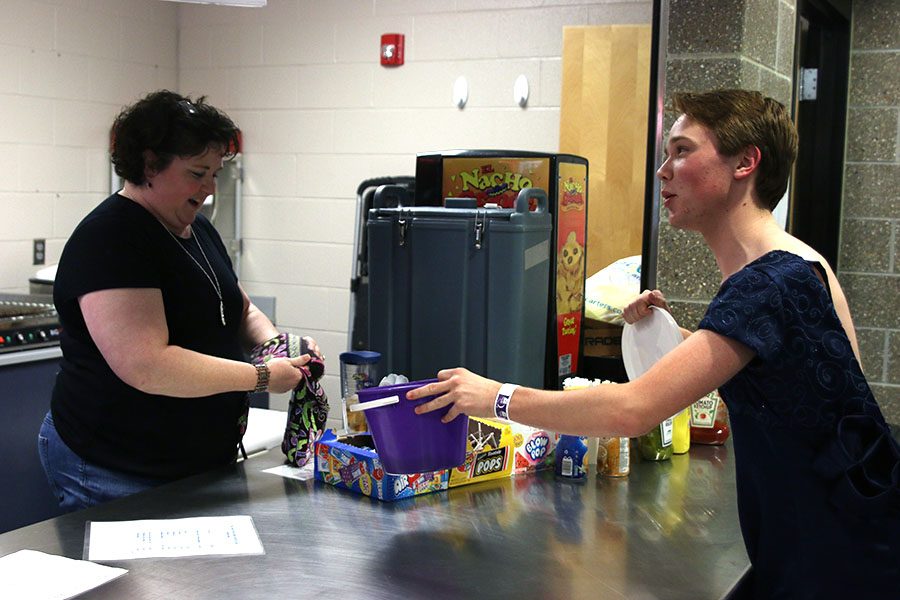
(360, 357)
(648, 340)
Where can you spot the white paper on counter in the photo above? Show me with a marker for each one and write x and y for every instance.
(33, 575)
(302, 473)
(194, 536)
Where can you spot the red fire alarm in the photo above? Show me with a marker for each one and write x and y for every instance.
(392, 49)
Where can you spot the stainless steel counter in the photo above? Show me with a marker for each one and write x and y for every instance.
(668, 531)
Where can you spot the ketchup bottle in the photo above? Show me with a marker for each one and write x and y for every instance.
(709, 420)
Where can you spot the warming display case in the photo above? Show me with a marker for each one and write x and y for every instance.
(495, 177)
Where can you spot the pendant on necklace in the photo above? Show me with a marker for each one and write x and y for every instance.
(211, 276)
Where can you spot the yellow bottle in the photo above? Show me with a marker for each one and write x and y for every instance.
(681, 432)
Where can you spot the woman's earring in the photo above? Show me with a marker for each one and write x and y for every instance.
(149, 184)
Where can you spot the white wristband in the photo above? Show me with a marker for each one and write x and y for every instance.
(501, 402)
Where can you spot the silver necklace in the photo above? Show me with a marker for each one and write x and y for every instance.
(213, 280)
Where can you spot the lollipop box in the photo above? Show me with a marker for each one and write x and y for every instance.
(533, 449)
(351, 462)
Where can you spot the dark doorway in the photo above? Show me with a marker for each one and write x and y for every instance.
(820, 93)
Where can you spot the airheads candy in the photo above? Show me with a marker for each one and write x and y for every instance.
(350, 462)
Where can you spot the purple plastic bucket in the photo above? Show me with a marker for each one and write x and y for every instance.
(411, 443)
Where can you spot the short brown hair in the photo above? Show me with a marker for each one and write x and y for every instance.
(169, 125)
(742, 118)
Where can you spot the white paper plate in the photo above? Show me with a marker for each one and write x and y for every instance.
(648, 340)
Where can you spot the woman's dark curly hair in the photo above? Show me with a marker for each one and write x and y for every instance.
(169, 125)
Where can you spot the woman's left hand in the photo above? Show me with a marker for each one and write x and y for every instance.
(465, 392)
(639, 308)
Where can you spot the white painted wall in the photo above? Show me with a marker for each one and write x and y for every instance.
(66, 68)
(320, 115)
(302, 80)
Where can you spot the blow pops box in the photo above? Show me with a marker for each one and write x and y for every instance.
(533, 448)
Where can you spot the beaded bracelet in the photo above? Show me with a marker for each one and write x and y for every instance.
(501, 402)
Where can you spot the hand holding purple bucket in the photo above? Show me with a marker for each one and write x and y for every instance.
(407, 442)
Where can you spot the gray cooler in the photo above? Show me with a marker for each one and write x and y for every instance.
(461, 287)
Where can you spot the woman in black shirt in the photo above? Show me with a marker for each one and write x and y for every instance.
(153, 382)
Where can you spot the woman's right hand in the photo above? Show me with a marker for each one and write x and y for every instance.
(284, 373)
(639, 308)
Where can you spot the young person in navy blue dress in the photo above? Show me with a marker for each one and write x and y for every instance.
(153, 382)
(818, 472)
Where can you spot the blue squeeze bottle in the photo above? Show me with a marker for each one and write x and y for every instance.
(571, 458)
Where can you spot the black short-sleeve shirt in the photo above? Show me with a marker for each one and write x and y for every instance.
(103, 419)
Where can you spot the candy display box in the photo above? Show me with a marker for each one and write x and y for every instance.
(351, 462)
(533, 449)
(489, 453)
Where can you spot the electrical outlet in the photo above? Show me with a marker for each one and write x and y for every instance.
(39, 251)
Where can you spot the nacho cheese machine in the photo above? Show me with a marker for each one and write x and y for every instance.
(468, 192)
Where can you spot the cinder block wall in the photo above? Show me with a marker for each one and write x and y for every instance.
(66, 69)
(711, 45)
(320, 115)
(869, 261)
(730, 44)
(303, 81)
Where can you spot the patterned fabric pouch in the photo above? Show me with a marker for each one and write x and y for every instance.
(308, 407)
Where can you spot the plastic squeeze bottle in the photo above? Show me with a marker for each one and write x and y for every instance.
(681, 431)
(709, 420)
(571, 458)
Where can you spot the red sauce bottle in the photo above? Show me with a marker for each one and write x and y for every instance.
(709, 420)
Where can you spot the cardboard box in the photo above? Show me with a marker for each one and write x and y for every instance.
(351, 462)
(533, 449)
(602, 339)
(489, 453)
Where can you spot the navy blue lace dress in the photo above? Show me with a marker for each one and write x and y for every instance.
(818, 473)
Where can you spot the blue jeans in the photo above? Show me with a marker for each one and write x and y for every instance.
(77, 483)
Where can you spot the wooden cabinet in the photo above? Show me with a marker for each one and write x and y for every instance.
(603, 117)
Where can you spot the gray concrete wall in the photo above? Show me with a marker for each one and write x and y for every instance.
(750, 44)
(869, 259)
(718, 44)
